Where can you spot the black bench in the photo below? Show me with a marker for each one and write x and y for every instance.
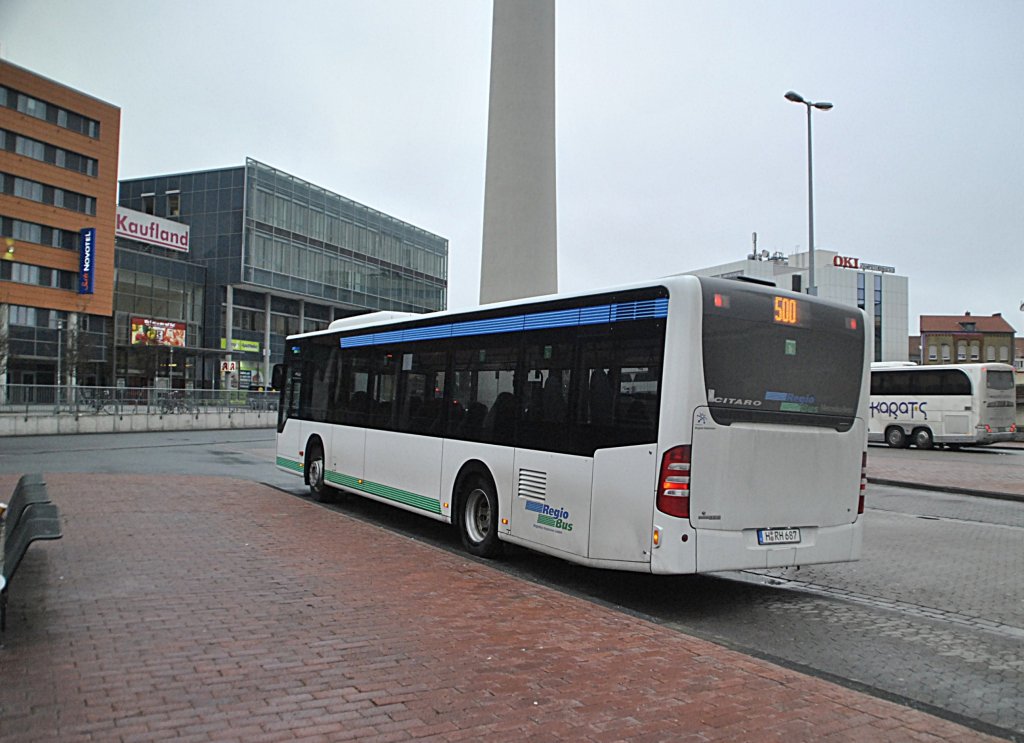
(30, 516)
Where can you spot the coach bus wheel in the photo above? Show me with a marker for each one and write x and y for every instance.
(317, 487)
(895, 437)
(478, 519)
(923, 438)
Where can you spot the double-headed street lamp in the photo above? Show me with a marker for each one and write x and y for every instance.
(821, 106)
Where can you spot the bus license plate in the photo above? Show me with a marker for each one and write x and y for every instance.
(778, 536)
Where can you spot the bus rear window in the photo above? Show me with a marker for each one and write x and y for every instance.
(775, 357)
(999, 380)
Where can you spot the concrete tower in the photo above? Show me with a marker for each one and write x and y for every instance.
(520, 249)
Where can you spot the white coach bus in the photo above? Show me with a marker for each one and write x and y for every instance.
(691, 425)
(947, 404)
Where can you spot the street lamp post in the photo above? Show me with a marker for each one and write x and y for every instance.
(821, 106)
(60, 358)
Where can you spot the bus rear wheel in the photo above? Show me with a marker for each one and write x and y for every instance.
(895, 437)
(923, 438)
(478, 518)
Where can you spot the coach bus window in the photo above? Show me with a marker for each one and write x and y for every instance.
(954, 382)
(1000, 380)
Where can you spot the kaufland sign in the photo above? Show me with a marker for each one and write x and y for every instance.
(146, 228)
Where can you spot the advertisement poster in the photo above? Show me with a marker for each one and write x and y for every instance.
(147, 332)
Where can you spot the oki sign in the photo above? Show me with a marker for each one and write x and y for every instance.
(842, 261)
(146, 228)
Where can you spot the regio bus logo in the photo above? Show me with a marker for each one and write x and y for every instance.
(557, 518)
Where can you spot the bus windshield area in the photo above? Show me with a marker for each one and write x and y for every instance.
(775, 357)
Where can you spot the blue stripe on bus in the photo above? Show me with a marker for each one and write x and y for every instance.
(599, 315)
(557, 319)
(623, 311)
(488, 327)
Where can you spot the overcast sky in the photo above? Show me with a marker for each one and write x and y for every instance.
(674, 140)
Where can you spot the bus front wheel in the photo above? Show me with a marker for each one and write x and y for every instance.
(316, 469)
(478, 518)
(895, 437)
(923, 438)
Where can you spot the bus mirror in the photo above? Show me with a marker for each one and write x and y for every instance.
(277, 377)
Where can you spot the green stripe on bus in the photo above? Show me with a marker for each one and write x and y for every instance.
(546, 521)
(383, 491)
(289, 464)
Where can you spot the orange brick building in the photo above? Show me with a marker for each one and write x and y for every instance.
(58, 176)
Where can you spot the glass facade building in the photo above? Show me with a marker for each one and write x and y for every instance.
(280, 256)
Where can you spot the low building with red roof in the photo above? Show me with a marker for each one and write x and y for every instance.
(966, 339)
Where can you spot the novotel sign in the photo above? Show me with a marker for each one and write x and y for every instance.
(86, 259)
(843, 261)
(152, 230)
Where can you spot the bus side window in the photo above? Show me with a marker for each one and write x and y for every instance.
(293, 391)
(382, 401)
(421, 392)
(544, 397)
(484, 384)
(599, 401)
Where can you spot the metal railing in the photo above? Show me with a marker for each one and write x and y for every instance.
(24, 399)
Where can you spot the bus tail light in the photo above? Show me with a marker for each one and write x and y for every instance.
(863, 481)
(674, 482)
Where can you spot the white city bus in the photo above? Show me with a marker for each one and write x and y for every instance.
(691, 425)
(946, 404)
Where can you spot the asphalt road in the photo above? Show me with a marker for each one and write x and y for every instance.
(932, 616)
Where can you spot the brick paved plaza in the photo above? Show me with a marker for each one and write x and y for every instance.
(212, 609)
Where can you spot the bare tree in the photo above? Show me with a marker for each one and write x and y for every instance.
(80, 353)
